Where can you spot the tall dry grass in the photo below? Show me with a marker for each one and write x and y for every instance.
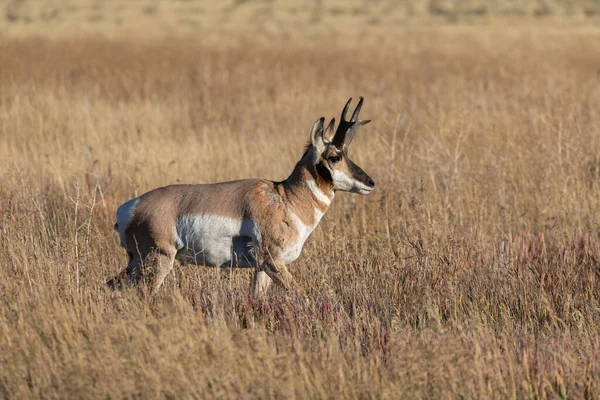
(277, 19)
(472, 271)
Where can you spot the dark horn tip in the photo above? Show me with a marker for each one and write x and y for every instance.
(345, 110)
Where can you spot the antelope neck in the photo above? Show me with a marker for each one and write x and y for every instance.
(306, 186)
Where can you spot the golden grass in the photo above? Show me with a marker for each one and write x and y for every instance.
(472, 271)
(211, 20)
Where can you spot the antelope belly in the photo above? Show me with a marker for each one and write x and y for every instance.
(216, 241)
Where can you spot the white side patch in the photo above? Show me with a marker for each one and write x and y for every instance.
(210, 239)
(318, 193)
(124, 215)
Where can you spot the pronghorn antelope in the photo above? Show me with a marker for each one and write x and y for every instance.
(246, 223)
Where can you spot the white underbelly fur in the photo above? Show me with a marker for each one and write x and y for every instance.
(216, 241)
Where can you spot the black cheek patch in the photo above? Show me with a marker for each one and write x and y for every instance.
(324, 173)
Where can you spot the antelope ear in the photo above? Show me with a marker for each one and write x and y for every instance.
(316, 135)
(328, 135)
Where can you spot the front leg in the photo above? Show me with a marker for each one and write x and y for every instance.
(260, 283)
(270, 271)
(278, 272)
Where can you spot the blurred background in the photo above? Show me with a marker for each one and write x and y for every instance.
(281, 19)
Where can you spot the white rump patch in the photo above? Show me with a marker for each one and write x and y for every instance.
(124, 216)
(216, 241)
(318, 193)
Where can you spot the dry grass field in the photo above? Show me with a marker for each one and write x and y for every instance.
(278, 18)
(473, 270)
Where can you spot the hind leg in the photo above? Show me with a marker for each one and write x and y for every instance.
(158, 264)
(131, 275)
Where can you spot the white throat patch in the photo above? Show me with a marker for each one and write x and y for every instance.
(318, 193)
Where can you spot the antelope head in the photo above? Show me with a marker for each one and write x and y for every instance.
(330, 156)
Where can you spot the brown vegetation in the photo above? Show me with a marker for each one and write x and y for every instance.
(278, 19)
(473, 270)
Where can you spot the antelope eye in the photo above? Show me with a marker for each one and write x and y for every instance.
(335, 159)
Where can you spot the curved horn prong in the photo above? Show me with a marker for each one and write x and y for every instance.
(357, 110)
(347, 129)
(345, 110)
(352, 131)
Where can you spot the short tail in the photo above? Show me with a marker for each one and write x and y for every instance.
(116, 227)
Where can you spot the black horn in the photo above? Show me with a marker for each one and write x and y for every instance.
(347, 129)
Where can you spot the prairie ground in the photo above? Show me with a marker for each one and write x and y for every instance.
(472, 271)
